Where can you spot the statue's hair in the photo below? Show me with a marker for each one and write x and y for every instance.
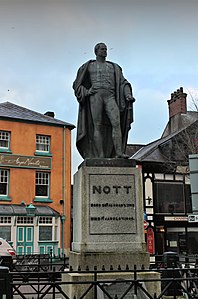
(97, 47)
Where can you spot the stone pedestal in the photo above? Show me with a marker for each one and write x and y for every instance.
(108, 228)
(108, 215)
(114, 288)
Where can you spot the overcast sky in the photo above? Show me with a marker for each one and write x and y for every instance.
(43, 43)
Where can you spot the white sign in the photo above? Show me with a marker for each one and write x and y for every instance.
(192, 218)
(175, 218)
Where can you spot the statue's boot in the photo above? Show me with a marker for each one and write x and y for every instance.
(118, 149)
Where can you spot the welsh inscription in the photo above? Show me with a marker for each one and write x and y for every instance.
(112, 204)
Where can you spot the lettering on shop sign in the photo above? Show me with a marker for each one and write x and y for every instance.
(112, 204)
(25, 161)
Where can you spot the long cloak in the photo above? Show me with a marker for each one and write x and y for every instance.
(84, 139)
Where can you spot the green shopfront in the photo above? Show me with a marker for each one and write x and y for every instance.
(30, 229)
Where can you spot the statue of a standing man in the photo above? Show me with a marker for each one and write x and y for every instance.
(105, 108)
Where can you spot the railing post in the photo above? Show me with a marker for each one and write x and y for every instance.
(54, 283)
(51, 259)
(95, 284)
(135, 279)
(5, 289)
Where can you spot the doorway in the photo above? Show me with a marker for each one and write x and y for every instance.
(25, 237)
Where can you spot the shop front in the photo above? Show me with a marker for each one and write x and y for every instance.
(30, 229)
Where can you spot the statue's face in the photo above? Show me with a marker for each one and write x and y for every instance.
(102, 51)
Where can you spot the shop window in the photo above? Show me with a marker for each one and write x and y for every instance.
(182, 240)
(5, 219)
(45, 220)
(5, 232)
(4, 141)
(45, 233)
(25, 220)
(169, 197)
(176, 240)
(42, 144)
(193, 242)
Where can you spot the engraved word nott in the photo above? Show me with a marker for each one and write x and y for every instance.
(111, 189)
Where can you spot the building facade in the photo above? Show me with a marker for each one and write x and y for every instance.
(166, 182)
(35, 180)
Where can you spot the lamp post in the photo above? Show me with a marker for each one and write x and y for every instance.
(31, 210)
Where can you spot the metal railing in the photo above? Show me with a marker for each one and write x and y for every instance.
(98, 284)
(48, 277)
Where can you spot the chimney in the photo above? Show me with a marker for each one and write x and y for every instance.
(50, 114)
(177, 103)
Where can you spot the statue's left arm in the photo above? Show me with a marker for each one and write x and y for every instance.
(126, 105)
(128, 94)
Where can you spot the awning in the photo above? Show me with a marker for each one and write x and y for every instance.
(20, 210)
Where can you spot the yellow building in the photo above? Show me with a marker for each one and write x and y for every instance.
(35, 180)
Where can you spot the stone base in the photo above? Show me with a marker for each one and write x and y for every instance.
(108, 210)
(108, 260)
(113, 288)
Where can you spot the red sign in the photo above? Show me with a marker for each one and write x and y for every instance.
(145, 224)
(150, 240)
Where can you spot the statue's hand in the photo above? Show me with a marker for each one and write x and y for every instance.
(129, 98)
(92, 90)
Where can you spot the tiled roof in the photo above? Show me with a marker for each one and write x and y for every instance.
(152, 152)
(12, 111)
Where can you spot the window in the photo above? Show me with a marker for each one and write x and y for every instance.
(25, 220)
(188, 198)
(192, 241)
(169, 197)
(45, 220)
(4, 178)
(42, 144)
(45, 233)
(6, 233)
(5, 219)
(42, 184)
(4, 140)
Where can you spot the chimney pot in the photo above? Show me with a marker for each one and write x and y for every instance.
(50, 114)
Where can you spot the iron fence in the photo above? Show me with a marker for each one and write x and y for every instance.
(48, 277)
(98, 284)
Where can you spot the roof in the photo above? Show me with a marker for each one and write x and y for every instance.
(20, 210)
(152, 152)
(12, 111)
(133, 148)
(178, 121)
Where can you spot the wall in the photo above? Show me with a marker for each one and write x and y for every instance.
(22, 180)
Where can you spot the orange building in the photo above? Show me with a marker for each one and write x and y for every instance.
(35, 180)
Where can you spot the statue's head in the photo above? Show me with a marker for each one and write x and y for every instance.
(100, 49)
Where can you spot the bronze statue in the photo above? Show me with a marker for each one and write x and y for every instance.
(105, 108)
